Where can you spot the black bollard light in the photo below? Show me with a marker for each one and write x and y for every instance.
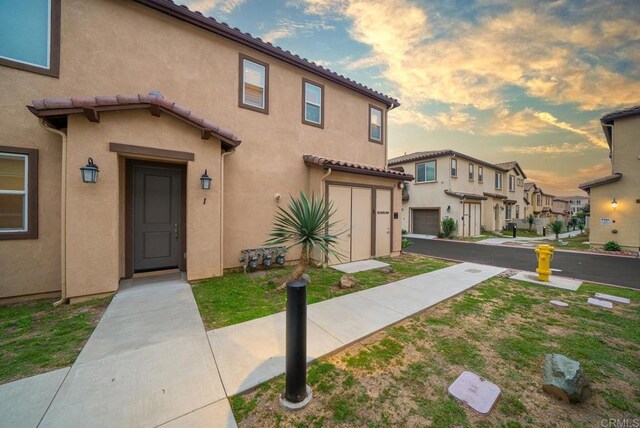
(514, 230)
(297, 394)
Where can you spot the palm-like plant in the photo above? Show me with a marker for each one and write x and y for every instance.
(556, 227)
(531, 220)
(305, 222)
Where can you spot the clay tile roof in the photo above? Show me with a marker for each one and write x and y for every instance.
(52, 109)
(431, 154)
(463, 195)
(511, 165)
(494, 195)
(338, 165)
(600, 181)
(528, 185)
(183, 13)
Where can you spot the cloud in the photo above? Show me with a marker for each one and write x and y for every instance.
(287, 28)
(534, 48)
(521, 123)
(213, 6)
(549, 149)
(553, 121)
(453, 119)
(567, 184)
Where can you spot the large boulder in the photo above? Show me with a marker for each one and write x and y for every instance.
(564, 379)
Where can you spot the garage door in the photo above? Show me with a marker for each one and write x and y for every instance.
(352, 222)
(426, 222)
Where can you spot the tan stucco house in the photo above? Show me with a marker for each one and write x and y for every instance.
(615, 199)
(161, 99)
(475, 193)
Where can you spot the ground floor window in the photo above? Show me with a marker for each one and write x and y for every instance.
(517, 211)
(18, 193)
(508, 211)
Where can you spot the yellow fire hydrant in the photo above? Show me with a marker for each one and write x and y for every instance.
(544, 253)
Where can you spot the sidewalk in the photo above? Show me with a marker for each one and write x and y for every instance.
(254, 352)
(500, 241)
(148, 363)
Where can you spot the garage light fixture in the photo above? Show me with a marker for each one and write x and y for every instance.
(90, 172)
(614, 203)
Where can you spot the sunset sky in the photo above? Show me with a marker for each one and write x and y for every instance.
(497, 79)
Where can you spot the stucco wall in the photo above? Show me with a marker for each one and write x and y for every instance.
(626, 160)
(113, 47)
(431, 195)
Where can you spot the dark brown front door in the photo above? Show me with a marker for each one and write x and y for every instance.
(156, 218)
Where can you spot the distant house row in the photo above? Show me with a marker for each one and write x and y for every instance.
(477, 194)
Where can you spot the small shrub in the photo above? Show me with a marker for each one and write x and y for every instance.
(531, 220)
(404, 231)
(440, 235)
(406, 243)
(612, 246)
(448, 226)
(581, 227)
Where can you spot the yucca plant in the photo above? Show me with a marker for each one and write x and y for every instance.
(306, 222)
(556, 227)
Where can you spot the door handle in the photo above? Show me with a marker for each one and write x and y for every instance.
(175, 230)
(388, 231)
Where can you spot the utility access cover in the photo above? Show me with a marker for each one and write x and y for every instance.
(475, 392)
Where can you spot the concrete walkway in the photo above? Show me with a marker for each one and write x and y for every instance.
(148, 363)
(253, 352)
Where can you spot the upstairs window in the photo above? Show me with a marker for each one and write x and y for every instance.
(480, 174)
(471, 171)
(498, 180)
(18, 193)
(454, 167)
(375, 124)
(512, 183)
(30, 35)
(538, 199)
(312, 103)
(254, 84)
(517, 211)
(426, 172)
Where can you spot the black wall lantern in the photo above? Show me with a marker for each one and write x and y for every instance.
(90, 172)
(205, 181)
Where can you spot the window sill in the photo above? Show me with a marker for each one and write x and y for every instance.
(257, 109)
(14, 236)
(425, 182)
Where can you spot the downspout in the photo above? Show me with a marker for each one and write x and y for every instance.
(225, 154)
(63, 215)
(328, 173)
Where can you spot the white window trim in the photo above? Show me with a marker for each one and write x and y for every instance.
(306, 118)
(498, 174)
(263, 87)
(373, 109)
(25, 192)
(435, 173)
(512, 179)
(472, 174)
(480, 174)
(454, 160)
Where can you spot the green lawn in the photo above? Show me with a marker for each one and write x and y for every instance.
(37, 337)
(575, 243)
(501, 330)
(237, 297)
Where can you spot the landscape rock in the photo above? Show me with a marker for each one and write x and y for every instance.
(347, 281)
(564, 379)
(387, 270)
(306, 277)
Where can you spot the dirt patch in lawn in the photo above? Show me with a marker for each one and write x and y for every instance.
(501, 330)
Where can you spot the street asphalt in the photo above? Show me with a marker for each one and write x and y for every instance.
(615, 270)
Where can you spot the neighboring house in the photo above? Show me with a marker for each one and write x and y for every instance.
(474, 192)
(529, 188)
(542, 203)
(560, 208)
(577, 203)
(615, 199)
(302, 127)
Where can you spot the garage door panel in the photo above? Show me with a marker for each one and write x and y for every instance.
(340, 197)
(360, 223)
(425, 221)
(383, 222)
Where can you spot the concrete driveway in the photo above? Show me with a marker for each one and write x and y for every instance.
(615, 270)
